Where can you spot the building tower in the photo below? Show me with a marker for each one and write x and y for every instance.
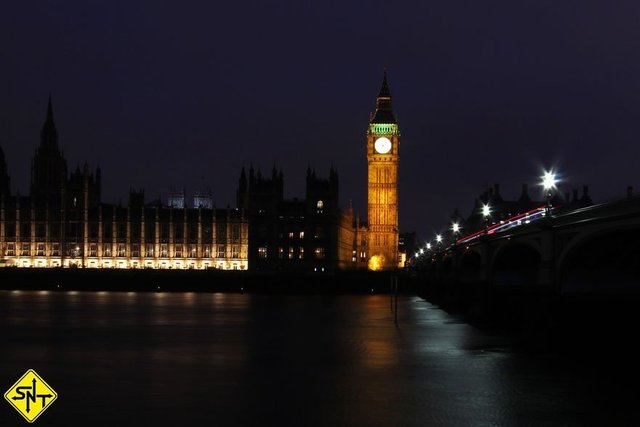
(383, 154)
(48, 168)
(4, 176)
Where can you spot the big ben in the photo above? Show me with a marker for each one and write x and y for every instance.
(383, 155)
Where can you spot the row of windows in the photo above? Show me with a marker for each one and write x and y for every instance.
(363, 256)
(291, 252)
(74, 229)
(318, 234)
(120, 250)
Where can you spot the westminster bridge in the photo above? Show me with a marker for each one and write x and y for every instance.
(591, 252)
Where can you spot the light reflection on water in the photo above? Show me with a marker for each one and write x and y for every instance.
(238, 359)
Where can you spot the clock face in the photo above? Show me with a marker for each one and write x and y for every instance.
(382, 145)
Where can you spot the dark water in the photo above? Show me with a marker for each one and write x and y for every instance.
(233, 359)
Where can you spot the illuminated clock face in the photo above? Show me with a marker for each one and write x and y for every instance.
(382, 145)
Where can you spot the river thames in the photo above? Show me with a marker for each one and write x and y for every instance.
(118, 358)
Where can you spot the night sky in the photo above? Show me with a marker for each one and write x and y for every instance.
(183, 94)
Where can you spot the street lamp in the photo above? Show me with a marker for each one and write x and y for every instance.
(428, 246)
(455, 228)
(486, 213)
(548, 183)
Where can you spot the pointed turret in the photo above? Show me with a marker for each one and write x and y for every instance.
(49, 133)
(48, 168)
(242, 182)
(384, 89)
(384, 112)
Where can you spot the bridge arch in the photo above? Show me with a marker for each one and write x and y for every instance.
(447, 264)
(602, 260)
(470, 266)
(516, 264)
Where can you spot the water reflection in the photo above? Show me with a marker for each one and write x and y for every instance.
(240, 359)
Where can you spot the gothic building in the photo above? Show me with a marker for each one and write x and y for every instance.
(64, 223)
(310, 234)
(314, 234)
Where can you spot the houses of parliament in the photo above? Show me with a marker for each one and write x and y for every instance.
(63, 221)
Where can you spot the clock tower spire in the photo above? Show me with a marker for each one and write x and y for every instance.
(383, 155)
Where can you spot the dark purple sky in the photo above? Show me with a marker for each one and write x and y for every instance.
(185, 93)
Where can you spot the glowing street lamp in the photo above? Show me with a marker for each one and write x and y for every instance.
(455, 227)
(438, 238)
(486, 213)
(548, 183)
(428, 246)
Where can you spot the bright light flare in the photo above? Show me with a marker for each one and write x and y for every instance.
(376, 262)
(486, 210)
(455, 227)
(549, 180)
(438, 238)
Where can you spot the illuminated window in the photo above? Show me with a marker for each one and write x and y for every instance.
(106, 250)
(163, 251)
(40, 249)
(291, 234)
(301, 253)
(290, 252)
(280, 252)
(178, 249)
(148, 252)
(262, 252)
(121, 250)
(193, 251)
(25, 250)
(93, 249)
(10, 249)
(320, 205)
(55, 249)
(363, 256)
(302, 234)
(319, 252)
(235, 251)
(221, 251)
(207, 251)
(135, 250)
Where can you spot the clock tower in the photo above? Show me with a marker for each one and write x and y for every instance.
(383, 154)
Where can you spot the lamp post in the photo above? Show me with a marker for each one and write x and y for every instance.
(548, 183)
(455, 228)
(439, 240)
(486, 213)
